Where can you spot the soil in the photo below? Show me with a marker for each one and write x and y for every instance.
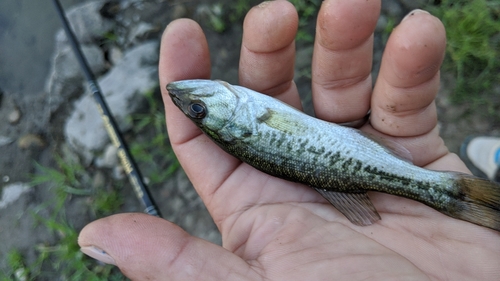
(37, 137)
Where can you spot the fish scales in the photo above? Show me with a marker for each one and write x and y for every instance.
(340, 163)
(327, 156)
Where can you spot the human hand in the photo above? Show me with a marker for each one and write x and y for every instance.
(277, 230)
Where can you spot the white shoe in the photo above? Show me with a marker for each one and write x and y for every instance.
(482, 156)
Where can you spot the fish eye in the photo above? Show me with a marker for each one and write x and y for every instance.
(197, 110)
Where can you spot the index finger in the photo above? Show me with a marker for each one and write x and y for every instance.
(184, 54)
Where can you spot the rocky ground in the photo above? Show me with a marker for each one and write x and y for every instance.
(121, 42)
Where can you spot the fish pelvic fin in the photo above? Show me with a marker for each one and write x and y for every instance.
(478, 201)
(356, 207)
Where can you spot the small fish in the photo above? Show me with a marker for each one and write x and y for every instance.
(340, 163)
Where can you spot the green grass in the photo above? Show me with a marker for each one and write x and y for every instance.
(221, 16)
(70, 180)
(307, 10)
(473, 51)
(18, 271)
(64, 259)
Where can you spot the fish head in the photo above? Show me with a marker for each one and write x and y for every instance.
(209, 104)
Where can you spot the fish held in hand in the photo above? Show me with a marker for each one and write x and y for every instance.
(341, 163)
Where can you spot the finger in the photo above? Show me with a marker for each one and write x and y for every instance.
(342, 59)
(268, 50)
(184, 55)
(149, 248)
(403, 98)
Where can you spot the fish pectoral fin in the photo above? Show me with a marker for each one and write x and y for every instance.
(357, 207)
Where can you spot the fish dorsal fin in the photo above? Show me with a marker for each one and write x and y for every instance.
(392, 146)
(357, 207)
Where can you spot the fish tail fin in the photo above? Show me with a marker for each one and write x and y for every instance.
(478, 201)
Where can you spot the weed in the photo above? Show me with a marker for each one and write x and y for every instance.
(220, 16)
(70, 179)
(64, 258)
(473, 50)
(391, 24)
(106, 202)
(307, 10)
(67, 178)
(18, 270)
(67, 260)
(239, 10)
(215, 17)
(109, 38)
(151, 147)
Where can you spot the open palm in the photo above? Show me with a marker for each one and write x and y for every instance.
(277, 230)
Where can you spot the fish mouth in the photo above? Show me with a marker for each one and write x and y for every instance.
(176, 94)
(177, 101)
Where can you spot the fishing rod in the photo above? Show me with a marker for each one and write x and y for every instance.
(128, 163)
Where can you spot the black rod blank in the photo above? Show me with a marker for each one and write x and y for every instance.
(126, 159)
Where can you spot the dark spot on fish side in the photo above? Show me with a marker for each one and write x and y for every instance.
(346, 164)
(357, 166)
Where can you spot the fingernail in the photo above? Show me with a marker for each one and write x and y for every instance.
(264, 4)
(414, 12)
(98, 254)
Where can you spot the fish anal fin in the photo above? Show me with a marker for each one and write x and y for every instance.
(357, 207)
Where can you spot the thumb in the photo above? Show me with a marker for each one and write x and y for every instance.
(149, 248)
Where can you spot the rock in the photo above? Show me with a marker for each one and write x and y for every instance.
(381, 23)
(68, 155)
(176, 203)
(118, 173)
(5, 140)
(21, 274)
(109, 159)
(122, 87)
(86, 22)
(115, 55)
(66, 76)
(179, 11)
(30, 141)
(110, 9)
(99, 180)
(392, 8)
(142, 31)
(14, 116)
(11, 192)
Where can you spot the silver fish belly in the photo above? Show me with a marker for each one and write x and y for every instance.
(341, 163)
